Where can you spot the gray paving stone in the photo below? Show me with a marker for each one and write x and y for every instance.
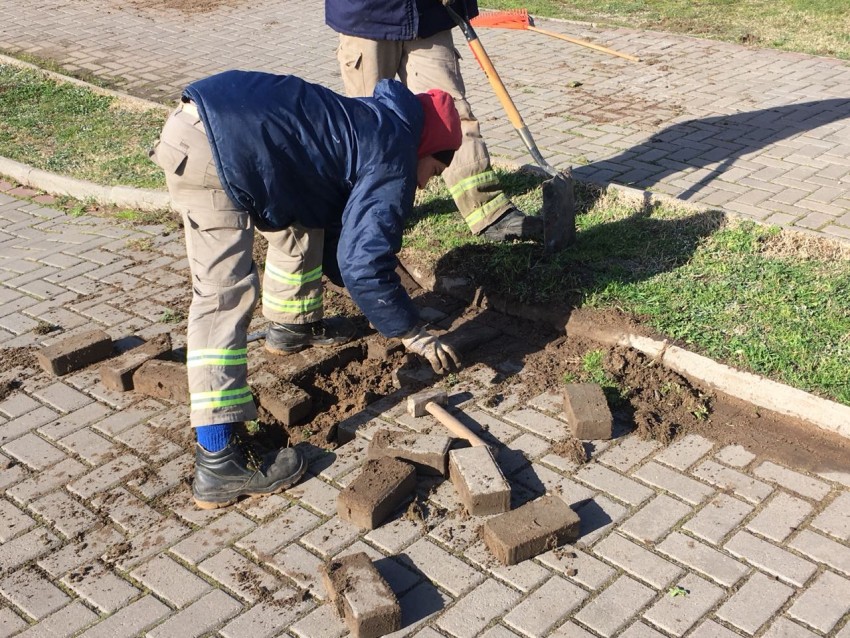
(67, 424)
(316, 494)
(90, 446)
(613, 484)
(823, 550)
(824, 602)
(62, 398)
(33, 593)
(21, 425)
(494, 632)
(793, 481)
(127, 418)
(614, 607)
(684, 453)
(637, 561)
(146, 441)
(72, 555)
(100, 587)
(835, 519)
(677, 614)
(702, 558)
(62, 624)
(131, 514)
(735, 455)
(34, 452)
(301, 567)
(711, 629)
(655, 519)
(539, 424)
(166, 477)
(447, 571)
(780, 517)
(718, 517)
(579, 567)
(784, 628)
(727, 478)
(266, 619)
(18, 404)
(171, 581)
(213, 537)
(395, 535)
(521, 451)
(571, 630)
(523, 576)
(10, 622)
(772, 559)
(598, 516)
(142, 546)
(755, 603)
(244, 578)
(641, 630)
(13, 521)
(631, 451)
(105, 476)
(331, 537)
(270, 537)
(24, 548)
(674, 482)
(536, 615)
(475, 611)
(131, 620)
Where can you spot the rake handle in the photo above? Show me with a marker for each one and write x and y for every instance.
(584, 43)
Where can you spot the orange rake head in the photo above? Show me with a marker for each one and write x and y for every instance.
(508, 19)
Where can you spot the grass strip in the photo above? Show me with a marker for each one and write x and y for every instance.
(68, 129)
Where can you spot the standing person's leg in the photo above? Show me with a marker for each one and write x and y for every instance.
(433, 62)
(219, 238)
(364, 62)
(292, 293)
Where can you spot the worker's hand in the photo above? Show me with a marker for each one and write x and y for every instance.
(441, 356)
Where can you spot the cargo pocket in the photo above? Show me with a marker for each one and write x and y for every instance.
(169, 158)
(223, 216)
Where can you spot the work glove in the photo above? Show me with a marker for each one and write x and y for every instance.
(441, 356)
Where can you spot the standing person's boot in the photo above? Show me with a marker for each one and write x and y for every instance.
(514, 224)
(285, 338)
(237, 470)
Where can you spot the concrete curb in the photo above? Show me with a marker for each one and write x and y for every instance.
(752, 388)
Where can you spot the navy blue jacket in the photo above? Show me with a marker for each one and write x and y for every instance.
(290, 151)
(393, 19)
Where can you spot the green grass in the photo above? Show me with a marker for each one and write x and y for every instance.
(71, 130)
(735, 291)
(820, 27)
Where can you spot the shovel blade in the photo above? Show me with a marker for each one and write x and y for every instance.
(559, 213)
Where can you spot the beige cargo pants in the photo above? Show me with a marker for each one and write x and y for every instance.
(225, 285)
(423, 64)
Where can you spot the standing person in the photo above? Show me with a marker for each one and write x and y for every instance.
(380, 39)
(328, 181)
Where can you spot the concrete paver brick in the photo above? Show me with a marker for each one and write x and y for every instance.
(628, 453)
(18, 404)
(641, 630)
(62, 624)
(33, 593)
(447, 571)
(271, 537)
(685, 452)
(75, 352)
(540, 480)
(10, 622)
(64, 513)
(145, 440)
(673, 482)
(266, 619)
(323, 622)
(823, 550)
(25, 423)
(62, 398)
(218, 534)
(100, 587)
(835, 519)
(702, 558)
(755, 603)
(587, 411)
(127, 418)
(793, 481)
(718, 517)
(34, 452)
(394, 535)
(598, 516)
(677, 614)
(72, 555)
(68, 423)
(784, 628)
(140, 547)
(637, 561)
(521, 451)
(781, 516)
(727, 478)
(735, 455)
(479, 481)
(89, 446)
(824, 603)
(171, 581)
(46, 481)
(106, 476)
(538, 423)
(381, 486)
(494, 632)
(244, 578)
(331, 537)
(166, 477)
(537, 614)
(772, 559)
(12, 521)
(571, 630)
(524, 576)
(655, 519)
(131, 620)
(613, 484)
(131, 514)
(301, 567)
(615, 606)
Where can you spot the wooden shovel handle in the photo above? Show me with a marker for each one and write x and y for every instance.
(452, 424)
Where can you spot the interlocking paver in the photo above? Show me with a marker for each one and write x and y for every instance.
(677, 614)
(784, 628)
(772, 559)
(598, 516)
(323, 622)
(755, 603)
(132, 620)
(578, 566)
(100, 587)
(24, 548)
(270, 537)
(106, 476)
(702, 558)
(793, 481)
(673, 482)
(613, 484)
(246, 579)
(477, 609)
(33, 451)
(718, 517)
(822, 549)
(637, 561)
(33, 593)
(171, 581)
(684, 453)
(13, 521)
(628, 453)
(93, 448)
(524, 576)
(126, 510)
(824, 603)
(782, 515)
(615, 606)
(727, 478)
(538, 423)
(450, 573)
(10, 622)
(536, 615)
(62, 624)
(655, 519)
(302, 567)
(266, 619)
(835, 519)
(62, 398)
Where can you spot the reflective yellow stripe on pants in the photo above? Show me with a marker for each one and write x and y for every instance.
(482, 212)
(217, 357)
(220, 398)
(294, 306)
(292, 279)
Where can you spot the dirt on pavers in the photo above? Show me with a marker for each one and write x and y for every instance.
(184, 6)
(14, 364)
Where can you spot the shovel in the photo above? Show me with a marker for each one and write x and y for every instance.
(559, 213)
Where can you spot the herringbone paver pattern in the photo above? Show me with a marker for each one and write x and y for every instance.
(98, 535)
(760, 133)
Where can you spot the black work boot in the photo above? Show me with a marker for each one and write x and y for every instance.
(514, 225)
(284, 338)
(237, 470)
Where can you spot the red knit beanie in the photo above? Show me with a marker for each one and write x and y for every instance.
(441, 130)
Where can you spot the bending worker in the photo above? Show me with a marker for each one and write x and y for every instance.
(329, 182)
(380, 39)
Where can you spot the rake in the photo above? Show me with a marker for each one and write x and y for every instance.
(519, 19)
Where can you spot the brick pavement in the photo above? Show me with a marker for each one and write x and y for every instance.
(98, 535)
(761, 133)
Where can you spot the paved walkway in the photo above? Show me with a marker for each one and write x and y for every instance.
(757, 132)
(98, 536)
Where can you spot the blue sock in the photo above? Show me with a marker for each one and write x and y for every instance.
(214, 438)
